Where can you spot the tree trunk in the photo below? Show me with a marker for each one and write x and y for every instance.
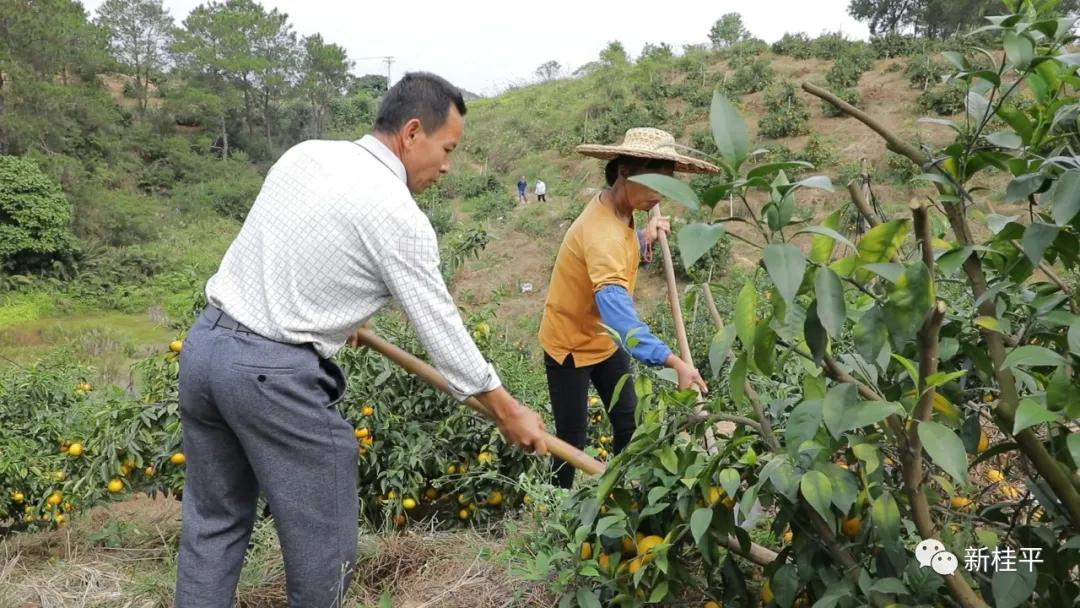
(224, 139)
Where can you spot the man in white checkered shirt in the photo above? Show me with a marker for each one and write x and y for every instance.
(333, 235)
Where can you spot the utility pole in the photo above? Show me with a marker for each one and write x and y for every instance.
(388, 60)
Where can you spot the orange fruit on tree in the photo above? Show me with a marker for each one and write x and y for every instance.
(495, 499)
(767, 593)
(960, 502)
(715, 494)
(367, 410)
(176, 346)
(431, 493)
(995, 475)
(629, 547)
(116, 486)
(851, 526)
(178, 458)
(60, 519)
(451, 469)
(368, 441)
(711, 604)
(984, 442)
(362, 432)
(149, 471)
(463, 514)
(17, 497)
(75, 449)
(646, 545)
(55, 498)
(635, 565)
(604, 561)
(485, 457)
(408, 504)
(789, 536)
(586, 550)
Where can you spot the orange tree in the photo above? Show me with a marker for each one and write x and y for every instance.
(871, 378)
(68, 445)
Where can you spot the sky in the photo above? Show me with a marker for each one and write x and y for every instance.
(485, 47)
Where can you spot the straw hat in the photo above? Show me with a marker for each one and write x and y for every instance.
(646, 142)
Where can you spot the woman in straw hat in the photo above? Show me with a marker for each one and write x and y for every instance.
(592, 285)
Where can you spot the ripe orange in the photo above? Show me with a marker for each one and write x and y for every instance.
(391, 495)
(17, 497)
(485, 457)
(178, 458)
(960, 502)
(450, 470)
(75, 450)
(116, 486)
(495, 499)
(463, 514)
(176, 345)
(767, 593)
(789, 536)
(711, 604)
(60, 519)
(367, 410)
(149, 471)
(586, 550)
(984, 442)
(995, 475)
(646, 545)
(408, 504)
(362, 432)
(368, 441)
(635, 565)
(431, 493)
(715, 494)
(55, 498)
(851, 526)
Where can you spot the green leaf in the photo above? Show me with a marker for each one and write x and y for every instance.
(669, 459)
(844, 485)
(817, 339)
(819, 182)
(831, 309)
(1019, 49)
(699, 523)
(890, 271)
(695, 240)
(870, 333)
(1030, 413)
(839, 399)
(786, 266)
(945, 449)
(1067, 197)
(1005, 139)
(771, 168)
(765, 349)
(940, 378)
(1037, 239)
(1013, 588)
(729, 480)
(883, 241)
(827, 233)
(821, 248)
(803, 424)
(886, 516)
(908, 301)
(817, 490)
(746, 314)
(586, 598)
(890, 585)
(1032, 356)
(868, 453)
(1074, 336)
(670, 188)
(1073, 443)
(951, 261)
(729, 131)
(719, 349)
(659, 592)
(737, 381)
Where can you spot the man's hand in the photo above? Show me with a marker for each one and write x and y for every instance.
(688, 375)
(518, 424)
(354, 340)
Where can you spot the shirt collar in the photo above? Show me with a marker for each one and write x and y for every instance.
(384, 154)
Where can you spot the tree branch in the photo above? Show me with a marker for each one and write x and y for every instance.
(860, 203)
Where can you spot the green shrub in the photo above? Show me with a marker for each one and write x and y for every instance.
(902, 169)
(893, 45)
(797, 46)
(703, 141)
(493, 205)
(945, 100)
(785, 113)
(830, 45)
(818, 152)
(746, 50)
(851, 96)
(752, 77)
(229, 197)
(465, 184)
(35, 218)
(117, 218)
(923, 71)
(844, 74)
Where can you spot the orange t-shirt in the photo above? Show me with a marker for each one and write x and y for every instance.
(599, 249)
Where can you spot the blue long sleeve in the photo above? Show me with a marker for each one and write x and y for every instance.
(617, 312)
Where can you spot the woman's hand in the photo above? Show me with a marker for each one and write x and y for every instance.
(656, 225)
(689, 377)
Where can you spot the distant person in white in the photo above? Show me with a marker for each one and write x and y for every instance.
(333, 236)
(541, 191)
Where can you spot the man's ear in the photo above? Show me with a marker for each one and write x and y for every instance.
(412, 129)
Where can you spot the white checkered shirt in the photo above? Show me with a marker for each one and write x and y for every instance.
(333, 235)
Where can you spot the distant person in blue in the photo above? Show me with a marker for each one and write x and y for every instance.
(522, 185)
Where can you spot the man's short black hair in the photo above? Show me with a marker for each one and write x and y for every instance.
(418, 95)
